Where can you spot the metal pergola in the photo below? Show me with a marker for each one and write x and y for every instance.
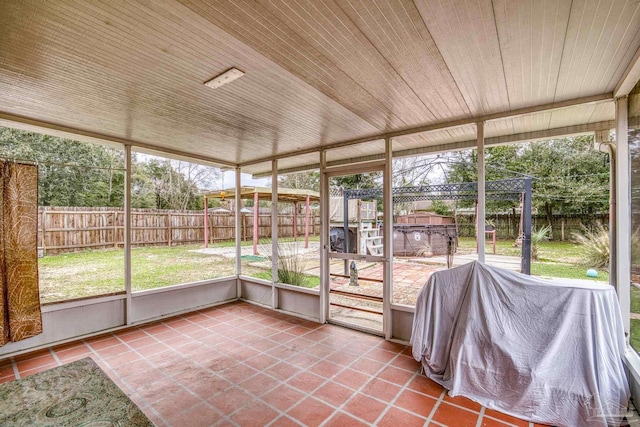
(503, 189)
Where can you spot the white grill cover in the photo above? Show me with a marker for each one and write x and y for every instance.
(546, 351)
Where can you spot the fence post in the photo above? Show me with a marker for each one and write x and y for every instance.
(44, 230)
(206, 222)
(169, 231)
(115, 229)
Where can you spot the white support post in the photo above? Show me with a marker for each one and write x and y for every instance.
(623, 213)
(274, 233)
(387, 202)
(324, 239)
(127, 233)
(238, 234)
(481, 194)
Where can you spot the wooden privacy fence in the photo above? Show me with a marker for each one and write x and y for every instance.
(507, 225)
(70, 229)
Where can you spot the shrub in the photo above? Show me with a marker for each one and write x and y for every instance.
(538, 236)
(596, 246)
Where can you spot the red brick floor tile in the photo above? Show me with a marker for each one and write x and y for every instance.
(303, 360)
(129, 335)
(264, 345)
(177, 342)
(380, 389)
(155, 328)
(259, 384)
(504, 417)
(231, 400)
(380, 355)
(364, 407)
(367, 366)
(103, 342)
(152, 349)
(221, 363)
(156, 389)
(351, 378)
(240, 364)
(7, 378)
(463, 401)
(113, 350)
(282, 371)
(69, 354)
(261, 362)
(453, 416)
(200, 415)
(340, 358)
(282, 337)
(306, 381)
(342, 420)
(283, 352)
(333, 393)
(396, 418)
(395, 375)
(36, 362)
(284, 421)
(392, 347)
(325, 369)
(319, 350)
(488, 422)
(37, 369)
(122, 358)
(175, 403)
(209, 388)
(135, 368)
(255, 415)
(283, 397)
(408, 363)
(177, 323)
(238, 373)
(425, 385)
(6, 369)
(311, 412)
(142, 342)
(416, 403)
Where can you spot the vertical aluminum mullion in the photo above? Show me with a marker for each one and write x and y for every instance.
(623, 213)
(127, 234)
(387, 202)
(324, 239)
(274, 233)
(238, 233)
(481, 194)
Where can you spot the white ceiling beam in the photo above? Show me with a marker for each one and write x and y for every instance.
(25, 123)
(629, 78)
(461, 145)
(444, 125)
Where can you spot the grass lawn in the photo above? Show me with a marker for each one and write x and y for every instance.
(555, 259)
(309, 281)
(89, 273)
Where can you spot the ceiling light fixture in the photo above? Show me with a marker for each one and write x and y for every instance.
(224, 78)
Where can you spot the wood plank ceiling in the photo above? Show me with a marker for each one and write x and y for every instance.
(317, 72)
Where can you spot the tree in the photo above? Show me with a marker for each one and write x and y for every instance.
(360, 180)
(173, 184)
(71, 173)
(568, 175)
(301, 180)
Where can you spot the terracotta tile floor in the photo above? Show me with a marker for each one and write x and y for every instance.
(238, 364)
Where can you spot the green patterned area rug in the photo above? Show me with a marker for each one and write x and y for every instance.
(77, 394)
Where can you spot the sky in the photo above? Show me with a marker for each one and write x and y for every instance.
(228, 180)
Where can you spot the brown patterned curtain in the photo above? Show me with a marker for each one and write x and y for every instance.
(20, 315)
